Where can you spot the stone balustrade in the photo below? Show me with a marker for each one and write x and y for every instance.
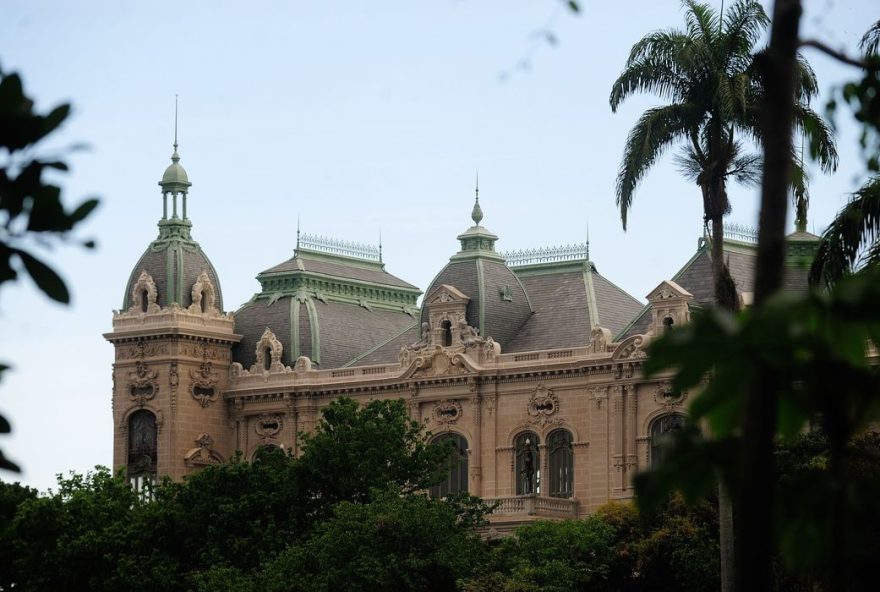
(536, 505)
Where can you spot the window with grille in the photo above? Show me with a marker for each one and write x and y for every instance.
(457, 478)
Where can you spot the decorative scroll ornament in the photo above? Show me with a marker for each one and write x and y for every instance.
(204, 295)
(142, 384)
(203, 454)
(268, 344)
(666, 396)
(446, 411)
(144, 286)
(203, 387)
(268, 425)
(438, 363)
(542, 405)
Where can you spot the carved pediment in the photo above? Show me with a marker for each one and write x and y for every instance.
(203, 454)
(669, 290)
(446, 293)
(434, 361)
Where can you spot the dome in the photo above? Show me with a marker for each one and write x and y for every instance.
(175, 266)
(175, 173)
(499, 305)
(336, 309)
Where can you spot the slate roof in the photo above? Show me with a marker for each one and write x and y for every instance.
(696, 277)
(304, 262)
(483, 280)
(187, 261)
(562, 300)
(337, 310)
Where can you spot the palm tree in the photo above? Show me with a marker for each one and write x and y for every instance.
(852, 240)
(707, 72)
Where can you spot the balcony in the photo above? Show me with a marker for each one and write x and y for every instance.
(521, 506)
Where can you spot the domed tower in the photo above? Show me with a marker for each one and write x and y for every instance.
(497, 304)
(173, 351)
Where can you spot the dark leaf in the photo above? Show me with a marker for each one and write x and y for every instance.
(45, 277)
(83, 210)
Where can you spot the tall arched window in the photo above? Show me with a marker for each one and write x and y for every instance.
(457, 478)
(561, 463)
(662, 426)
(142, 449)
(528, 464)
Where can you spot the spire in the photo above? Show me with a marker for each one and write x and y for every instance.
(297, 232)
(588, 241)
(380, 244)
(175, 183)
(477, 212)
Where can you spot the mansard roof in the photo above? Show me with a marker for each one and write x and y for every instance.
(332, 302)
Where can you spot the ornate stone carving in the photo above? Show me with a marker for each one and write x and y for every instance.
(438, 363)
(446, 411)
(204, 384)
(600, 339)
(144, 286)
(268, 425)
(268, 343)
(598, 396)
(203, 454)
(631, 348)
(542, 405)
(204, 296)
(303, 364)
(667, 397)
(142, 384)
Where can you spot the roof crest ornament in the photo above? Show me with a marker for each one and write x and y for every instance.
(175, 157)
(477, 212)
(338, 247)
(575, 252)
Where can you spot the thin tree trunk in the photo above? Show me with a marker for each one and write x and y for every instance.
(757, 466)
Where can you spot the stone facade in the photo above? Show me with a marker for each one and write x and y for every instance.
(554, 419)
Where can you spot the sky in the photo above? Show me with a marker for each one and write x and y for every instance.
(355, 118)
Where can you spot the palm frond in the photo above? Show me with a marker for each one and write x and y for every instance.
(744, 25)
(856, 227)
(657, 130)
(648, 75)
(746, 168)
(819, 135)
(806, 84)
(701, 21)
(870, 42)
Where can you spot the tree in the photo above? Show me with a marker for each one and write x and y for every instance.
(31, 211)
(395, 542)
(852, 240)
(708, 74)
(355, 450)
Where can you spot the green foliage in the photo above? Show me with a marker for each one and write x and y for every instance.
(396, 542)
(551, 556)
(355, 450)
(31, 211)
(816, 349)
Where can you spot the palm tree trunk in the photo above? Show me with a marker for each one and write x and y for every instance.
(757, 467)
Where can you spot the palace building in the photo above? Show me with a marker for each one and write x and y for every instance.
(531, 362)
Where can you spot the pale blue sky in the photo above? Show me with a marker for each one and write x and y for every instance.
(354, 116)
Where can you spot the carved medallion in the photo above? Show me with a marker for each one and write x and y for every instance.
(142, 384)
(268, 425)
(543, 404)
(203, 386)
(446, 411)
(668, 397)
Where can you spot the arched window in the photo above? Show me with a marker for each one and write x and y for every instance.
(203, 302)
(662, 426)
(668, 323)
(267, 359)
(142, 449)
(447, 332)
(145, 300)
(528, 463)
(457, 478)
(561, 463)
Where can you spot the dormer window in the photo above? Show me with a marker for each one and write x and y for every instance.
(446, 326)
(145, 300)
(267, 359)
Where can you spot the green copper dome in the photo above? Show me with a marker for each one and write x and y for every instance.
(175, 177)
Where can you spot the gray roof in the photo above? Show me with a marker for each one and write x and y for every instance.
(565, 297)
(484, 280)
(343, 269)
(187, 261)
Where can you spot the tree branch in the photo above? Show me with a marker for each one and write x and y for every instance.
(837, 55)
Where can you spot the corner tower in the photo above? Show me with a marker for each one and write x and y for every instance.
(173, 346)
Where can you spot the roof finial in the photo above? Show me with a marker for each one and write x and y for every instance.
(297, 231)
(380, 244)
(175, 157)
(477, 212)
(588, 240)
